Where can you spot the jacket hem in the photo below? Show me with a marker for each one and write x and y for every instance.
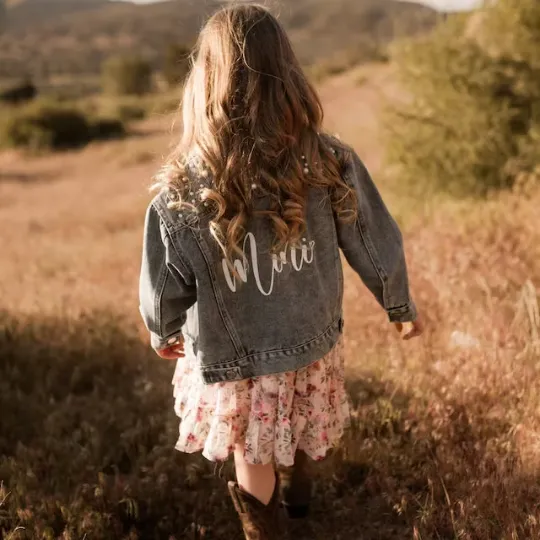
(276, 361)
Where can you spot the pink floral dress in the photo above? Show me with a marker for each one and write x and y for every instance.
(272, 415)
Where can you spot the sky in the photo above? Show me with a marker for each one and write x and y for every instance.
(446, 5)
(451, 5)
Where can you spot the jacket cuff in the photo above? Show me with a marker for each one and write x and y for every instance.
(162, 343)
(402, 314)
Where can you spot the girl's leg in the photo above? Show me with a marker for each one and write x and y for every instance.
(296, 486)
(256, 499)
(257, 480)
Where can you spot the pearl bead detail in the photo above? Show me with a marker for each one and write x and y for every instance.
(306, 165)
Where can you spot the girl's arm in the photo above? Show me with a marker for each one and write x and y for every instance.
(373, 245)
(166, 288)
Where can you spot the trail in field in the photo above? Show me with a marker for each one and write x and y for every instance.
(353, 103)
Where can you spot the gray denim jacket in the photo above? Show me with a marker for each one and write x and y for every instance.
(277, 313)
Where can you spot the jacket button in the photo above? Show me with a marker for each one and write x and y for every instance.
(230, 374)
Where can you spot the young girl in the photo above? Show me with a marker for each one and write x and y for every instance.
(241, 277)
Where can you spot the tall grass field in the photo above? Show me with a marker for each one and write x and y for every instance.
(445, 435)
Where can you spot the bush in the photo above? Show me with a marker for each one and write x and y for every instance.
(20, 93)
(127, 75)
(107, 128)
(177, 64)
(472, 122)
(128, 112)
(49, 126)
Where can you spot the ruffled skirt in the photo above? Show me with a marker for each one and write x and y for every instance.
(272, 415)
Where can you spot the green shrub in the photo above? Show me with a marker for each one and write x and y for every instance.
(127, 112)
(46, 127)
(107, 128)
(127, 75)
(20, 93)
(470, 121)
(50, 126)
(177, 64)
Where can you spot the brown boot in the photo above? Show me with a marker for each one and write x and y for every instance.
(296, 486)
(259, 522)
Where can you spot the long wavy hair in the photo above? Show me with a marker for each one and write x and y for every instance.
(254, 121)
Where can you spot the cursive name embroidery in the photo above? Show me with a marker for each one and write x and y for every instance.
(299, 256)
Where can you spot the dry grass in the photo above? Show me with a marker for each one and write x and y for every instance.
(445, 441)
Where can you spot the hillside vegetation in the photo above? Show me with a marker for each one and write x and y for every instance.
(471, 124)
(23, 13)
(52, 37)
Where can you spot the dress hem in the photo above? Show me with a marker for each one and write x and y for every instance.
(273, 459)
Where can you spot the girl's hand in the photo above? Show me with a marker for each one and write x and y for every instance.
(416, 329)
(173, 352)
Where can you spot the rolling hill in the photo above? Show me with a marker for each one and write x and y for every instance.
(51, 37)
(21, 13)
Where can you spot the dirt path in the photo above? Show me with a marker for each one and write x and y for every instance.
(353, 103)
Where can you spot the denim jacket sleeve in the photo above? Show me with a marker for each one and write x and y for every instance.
(166, 287)
(373, 244)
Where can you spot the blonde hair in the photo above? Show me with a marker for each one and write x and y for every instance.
(253, 118)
